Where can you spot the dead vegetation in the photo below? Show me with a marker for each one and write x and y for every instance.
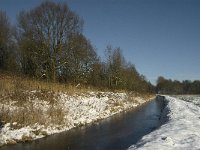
(10, 82)
(24, 96)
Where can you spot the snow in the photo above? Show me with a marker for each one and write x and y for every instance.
(182, 130)
(190, 98)
(78, 110)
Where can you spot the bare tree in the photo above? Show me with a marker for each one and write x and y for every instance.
(4, 38)
(81, 56)
(118, 62)
(108, 55)
(43, 33)
(115, 63)
(7, 51)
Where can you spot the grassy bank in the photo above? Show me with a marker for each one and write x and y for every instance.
(41, 108)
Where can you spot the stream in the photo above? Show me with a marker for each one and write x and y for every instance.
(115, 133)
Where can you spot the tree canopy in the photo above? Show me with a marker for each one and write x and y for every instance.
(47, 43)
(168, 86)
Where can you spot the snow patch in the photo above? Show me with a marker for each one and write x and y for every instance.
(181, 132)
(78, 110)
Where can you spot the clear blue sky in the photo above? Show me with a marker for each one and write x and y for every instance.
(161, 37)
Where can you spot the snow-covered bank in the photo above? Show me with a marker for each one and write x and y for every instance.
(181, 132)
(69, 111)
(189, 98)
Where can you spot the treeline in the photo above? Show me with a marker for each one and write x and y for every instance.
(47, 43)
(168, 86)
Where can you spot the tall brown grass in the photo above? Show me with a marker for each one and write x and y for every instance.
(18, 89)
(23, 91)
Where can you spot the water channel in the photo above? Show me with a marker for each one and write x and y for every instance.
(114, 133)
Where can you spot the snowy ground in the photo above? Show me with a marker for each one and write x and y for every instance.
(75, 110)
(190, 98)
(181, 132)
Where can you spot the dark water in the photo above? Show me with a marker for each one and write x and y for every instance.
(115, 133)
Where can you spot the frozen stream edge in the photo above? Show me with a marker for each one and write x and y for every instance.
(180, 132)
(79, 110)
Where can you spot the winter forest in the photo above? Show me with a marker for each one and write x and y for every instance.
(47, 43)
